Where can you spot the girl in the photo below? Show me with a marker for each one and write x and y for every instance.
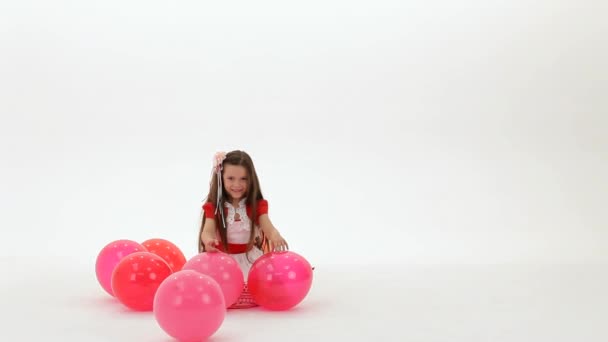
(235, 216)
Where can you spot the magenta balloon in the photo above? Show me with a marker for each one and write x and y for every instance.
(223, 269)
(279, 280)
(109, 257)
(189, 306)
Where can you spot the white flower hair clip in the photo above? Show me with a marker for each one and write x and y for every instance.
(218, 160)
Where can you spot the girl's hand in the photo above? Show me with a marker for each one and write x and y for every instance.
(210, 244)
(277, 243)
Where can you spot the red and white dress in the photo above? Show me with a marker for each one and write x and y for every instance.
(238, 230)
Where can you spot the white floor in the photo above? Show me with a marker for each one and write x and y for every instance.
(55, 301)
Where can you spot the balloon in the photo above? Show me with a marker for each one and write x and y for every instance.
(189, 306)
(279, 280)
(109, 257)
(136, 279)
(168, 251)
(223, 269)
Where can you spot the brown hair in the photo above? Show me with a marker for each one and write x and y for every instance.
(254, 194)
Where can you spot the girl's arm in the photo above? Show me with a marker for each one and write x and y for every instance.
(208, 235)
(277, 243)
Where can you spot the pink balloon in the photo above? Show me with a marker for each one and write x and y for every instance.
(223, 269)
(189, 306)
(279, 280)
(109, 257)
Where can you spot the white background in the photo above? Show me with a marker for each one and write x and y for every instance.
(385, 132)
(439, 131)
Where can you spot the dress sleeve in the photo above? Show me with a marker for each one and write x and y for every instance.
(209, 209)
(262, 207)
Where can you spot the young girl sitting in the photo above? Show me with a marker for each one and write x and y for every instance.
(243, 228)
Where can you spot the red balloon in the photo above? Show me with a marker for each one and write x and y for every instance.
(136, 279)
(279, 280)
(168, 251)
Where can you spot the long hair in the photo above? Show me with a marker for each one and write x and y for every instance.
(254, 194)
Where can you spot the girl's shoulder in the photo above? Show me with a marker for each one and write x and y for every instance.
(262, 203)
(209, 209)
(262, 208)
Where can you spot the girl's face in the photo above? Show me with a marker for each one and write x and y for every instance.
(236, 181)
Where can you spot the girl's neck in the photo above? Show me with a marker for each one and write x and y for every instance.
(235, 203)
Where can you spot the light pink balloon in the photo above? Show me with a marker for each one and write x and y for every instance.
(279, 280)
(189, 306)
(223, 269)
(110, 256)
